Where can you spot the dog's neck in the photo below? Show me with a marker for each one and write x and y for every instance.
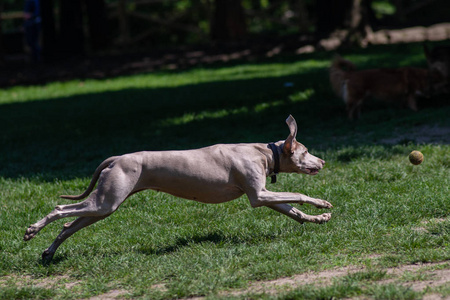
(276, 159)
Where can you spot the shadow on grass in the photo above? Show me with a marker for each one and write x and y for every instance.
(215, 238)
(68, 137)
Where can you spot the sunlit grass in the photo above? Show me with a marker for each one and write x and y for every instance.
(157, 80)
(222, 113)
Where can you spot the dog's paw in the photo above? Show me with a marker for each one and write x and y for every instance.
(323, 218)
(30, 233)
(323, 204)
(47, 256)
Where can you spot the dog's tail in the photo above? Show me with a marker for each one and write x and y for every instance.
(94, 179)
(339, 70)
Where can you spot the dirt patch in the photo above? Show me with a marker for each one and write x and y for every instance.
(421, 135)
(320, 279)
(47, 282)
(114, 294)
(435, 277)
(418, 277)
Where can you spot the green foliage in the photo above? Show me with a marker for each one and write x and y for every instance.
(157, 246)
(383, 8)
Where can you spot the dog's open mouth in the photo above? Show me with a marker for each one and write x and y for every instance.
(312, 171)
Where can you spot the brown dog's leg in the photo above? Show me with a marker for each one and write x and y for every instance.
(412, 102)
(354, 109)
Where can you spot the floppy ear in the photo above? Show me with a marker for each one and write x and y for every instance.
(289, 145)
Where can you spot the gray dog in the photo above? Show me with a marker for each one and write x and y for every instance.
(214, 174)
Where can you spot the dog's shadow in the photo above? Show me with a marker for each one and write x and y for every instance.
(215, 238)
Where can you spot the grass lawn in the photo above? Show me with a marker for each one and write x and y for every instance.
(387, 212)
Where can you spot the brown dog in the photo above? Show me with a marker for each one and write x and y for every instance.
(399, 85)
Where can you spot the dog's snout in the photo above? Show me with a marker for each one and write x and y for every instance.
(323, 162)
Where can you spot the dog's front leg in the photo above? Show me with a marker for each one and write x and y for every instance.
(267, 198)
(298, 215)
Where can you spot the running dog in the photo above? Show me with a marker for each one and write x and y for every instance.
(213, 174)
(399, 85)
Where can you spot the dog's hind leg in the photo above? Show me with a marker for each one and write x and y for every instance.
(298, 215)
(59, 212)
(84, 208)
(115, 185)
(68, 230)
(99, 204)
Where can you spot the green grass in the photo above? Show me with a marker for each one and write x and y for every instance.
(158, 246)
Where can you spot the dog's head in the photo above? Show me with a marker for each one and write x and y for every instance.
(426, 83)
(295, 157)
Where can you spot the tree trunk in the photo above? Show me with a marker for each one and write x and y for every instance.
(357, 25)
(72, 36)
(349, 15)
(2, 49)
(96, 12)
(228, 21)
(331, 15)
(49, 40)
(124, 33)
(300, 7)
(355, 15)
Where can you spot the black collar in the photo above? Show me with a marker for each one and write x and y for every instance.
(276, 158)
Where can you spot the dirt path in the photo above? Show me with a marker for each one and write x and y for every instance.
(436, 274)
(438, 277)
(418, 277)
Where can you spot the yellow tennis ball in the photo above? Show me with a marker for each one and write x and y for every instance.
(416, 157)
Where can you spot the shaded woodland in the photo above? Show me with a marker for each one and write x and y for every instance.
(86, 26)
(179, 33)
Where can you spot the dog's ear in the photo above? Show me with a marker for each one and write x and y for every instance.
(289, 145)
(290, 121)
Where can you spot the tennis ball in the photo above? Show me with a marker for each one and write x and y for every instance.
(416, 157)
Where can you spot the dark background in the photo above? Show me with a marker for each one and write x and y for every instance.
(101, 38)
